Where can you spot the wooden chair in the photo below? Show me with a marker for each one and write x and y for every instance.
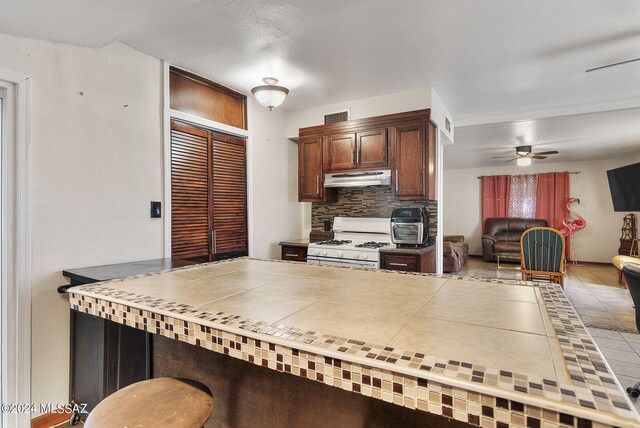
(542, 255)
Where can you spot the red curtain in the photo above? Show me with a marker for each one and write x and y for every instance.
(551, 200)
(495, 197)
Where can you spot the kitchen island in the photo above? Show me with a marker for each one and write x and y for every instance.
(479, 352)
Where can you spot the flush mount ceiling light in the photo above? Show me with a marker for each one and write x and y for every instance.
(270, 95)
(523, 161)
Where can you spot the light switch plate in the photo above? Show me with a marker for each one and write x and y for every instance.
(156, 209)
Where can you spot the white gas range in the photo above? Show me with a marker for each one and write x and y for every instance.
(357, 242)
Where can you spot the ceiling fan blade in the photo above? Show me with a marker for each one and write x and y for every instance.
(612, 65)
(551, 152)
(512, 159)
(538, 157)
(501, 157)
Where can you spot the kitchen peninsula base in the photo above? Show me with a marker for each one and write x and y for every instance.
(246, 395)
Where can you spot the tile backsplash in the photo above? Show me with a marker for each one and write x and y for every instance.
(370, 201)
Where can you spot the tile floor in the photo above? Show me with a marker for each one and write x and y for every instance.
(604, 306)
(622, 351)
(592, 289)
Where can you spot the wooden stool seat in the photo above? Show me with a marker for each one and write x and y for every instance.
(162, 402)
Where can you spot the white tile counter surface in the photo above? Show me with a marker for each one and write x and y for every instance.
(488, 353)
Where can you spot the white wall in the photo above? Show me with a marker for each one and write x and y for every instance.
(96, 165)
(275, 210)
(597, 242)
(361, 108)
(439, 115)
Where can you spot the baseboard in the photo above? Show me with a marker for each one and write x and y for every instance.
(49, 420)
(569, 261)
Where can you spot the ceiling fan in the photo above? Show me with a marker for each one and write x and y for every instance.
(524, 152)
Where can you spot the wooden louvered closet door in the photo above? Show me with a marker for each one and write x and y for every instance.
(208, 195)
(229, 196)
(190, 153)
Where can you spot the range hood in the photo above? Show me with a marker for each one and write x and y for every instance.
(358, 179)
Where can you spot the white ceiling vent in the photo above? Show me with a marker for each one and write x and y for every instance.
(335, 117)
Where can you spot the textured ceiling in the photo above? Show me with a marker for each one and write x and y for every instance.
(490, 61)
(602, 135)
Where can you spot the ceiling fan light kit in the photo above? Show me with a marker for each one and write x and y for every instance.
(270, 95)
(524, 155)
(523, 150)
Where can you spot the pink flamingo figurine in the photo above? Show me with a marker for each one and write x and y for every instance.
(572, 226)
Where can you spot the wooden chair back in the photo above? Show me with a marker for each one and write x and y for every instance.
(542, 255)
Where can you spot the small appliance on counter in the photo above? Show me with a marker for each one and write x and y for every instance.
(409, 227)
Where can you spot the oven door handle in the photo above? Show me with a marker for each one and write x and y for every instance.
(326, 261)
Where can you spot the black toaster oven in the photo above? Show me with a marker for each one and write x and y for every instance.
(409, 226)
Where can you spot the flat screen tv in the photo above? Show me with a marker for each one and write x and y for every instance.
(624, 184)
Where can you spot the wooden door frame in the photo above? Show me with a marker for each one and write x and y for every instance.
(16, 246)
(169, 115)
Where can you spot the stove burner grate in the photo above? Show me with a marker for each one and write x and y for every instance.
(334, 242)
(372, 244)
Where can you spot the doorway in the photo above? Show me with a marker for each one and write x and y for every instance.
(3, 330)
(15, 248)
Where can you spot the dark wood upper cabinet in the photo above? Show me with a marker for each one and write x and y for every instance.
(341, 150)
(373, 150)
(403, 142)
(362, 150)
(200, 97)
(310, 172)
(413, 170)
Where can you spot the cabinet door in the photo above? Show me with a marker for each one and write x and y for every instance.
(406, 263)
(342, 152)
(297, 254)
(413, 172)
(190, 152)
(372, 149)
(229, 197)
(310, 169)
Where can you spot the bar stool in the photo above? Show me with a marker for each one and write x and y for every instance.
(161, 402)
(632, 276)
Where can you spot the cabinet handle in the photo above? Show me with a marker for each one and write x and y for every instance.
(396, 180)
(213, 242)
(317, 184)
(398, 264)
(290, 255)
(358, 155)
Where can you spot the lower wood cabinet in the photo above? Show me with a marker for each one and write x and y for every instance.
(422, 260)
(294, 253)
(105, 357)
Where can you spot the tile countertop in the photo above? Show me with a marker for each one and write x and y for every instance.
(482, 351)
(296, 242)
(407, 250)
